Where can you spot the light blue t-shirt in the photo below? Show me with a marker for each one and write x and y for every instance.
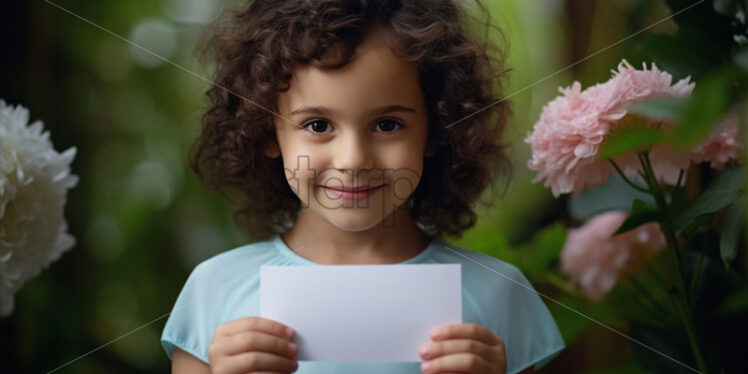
(495, 295)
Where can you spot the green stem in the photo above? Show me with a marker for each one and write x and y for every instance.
(652, 269)
(665, 224)
(697, 270)
(625, 179)
(655, 307)
(660, 278)
(557, 281)
(681, 292)
(677, 184)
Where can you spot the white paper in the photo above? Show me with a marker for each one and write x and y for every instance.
(361, 312)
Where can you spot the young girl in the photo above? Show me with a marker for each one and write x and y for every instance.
(353, 132)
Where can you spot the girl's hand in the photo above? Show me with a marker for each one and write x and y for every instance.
(250, 345)
(463, 348)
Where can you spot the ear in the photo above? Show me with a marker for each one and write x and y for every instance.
(271, 149)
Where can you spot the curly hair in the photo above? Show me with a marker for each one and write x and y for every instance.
(256, 49)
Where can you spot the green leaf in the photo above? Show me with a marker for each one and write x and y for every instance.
(730, 232)
(574, 317)
(709, 102)
(735, 304)
(660, 108)
(700, 26)
(696, 223)
(679, 199)
(630, 140)
(719, 194)
(615, 194)
(544, 247)
(640, 214)
(741, 59)
(487, 240)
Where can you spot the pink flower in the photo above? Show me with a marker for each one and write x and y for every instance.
(595, 259)
(567, 138)
(724, 146)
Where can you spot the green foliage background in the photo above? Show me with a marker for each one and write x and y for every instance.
(143, 221)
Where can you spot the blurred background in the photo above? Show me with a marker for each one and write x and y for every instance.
(142, 220)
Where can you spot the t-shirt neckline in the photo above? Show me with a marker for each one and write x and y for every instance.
(281, 246)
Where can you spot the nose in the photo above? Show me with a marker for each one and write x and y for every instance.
(353, 152)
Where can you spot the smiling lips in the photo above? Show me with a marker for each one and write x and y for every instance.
(349, 193)
(351, 189)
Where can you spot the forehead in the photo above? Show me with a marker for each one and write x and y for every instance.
(375, 76)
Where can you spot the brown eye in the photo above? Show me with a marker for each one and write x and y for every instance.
(317, 126)
(389, 125)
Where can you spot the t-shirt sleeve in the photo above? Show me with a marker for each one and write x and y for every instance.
(190, 321)
(529, 326)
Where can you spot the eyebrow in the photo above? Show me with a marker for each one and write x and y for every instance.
(322, 110)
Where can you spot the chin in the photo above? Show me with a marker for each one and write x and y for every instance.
(353, 225)
(357, 222)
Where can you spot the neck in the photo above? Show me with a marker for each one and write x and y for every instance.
(317, 240)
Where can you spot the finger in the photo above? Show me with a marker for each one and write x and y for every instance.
(459, 362)
(465, 331)
(257, 341)
(255, 324)
(452, 346)
(258, 361)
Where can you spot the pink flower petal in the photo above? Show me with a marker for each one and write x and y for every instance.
(565, 140)
(595, 259)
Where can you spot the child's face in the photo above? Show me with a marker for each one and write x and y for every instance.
(355, 143)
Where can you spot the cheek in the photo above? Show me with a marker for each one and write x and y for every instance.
(404, 156)
(405, 170)
(302, 167)
(403, 187)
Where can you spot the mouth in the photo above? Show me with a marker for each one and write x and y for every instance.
(345, 193)
(351, 189)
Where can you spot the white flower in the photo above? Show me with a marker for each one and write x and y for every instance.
(34, 180)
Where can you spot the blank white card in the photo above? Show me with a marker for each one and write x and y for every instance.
(361, 312)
